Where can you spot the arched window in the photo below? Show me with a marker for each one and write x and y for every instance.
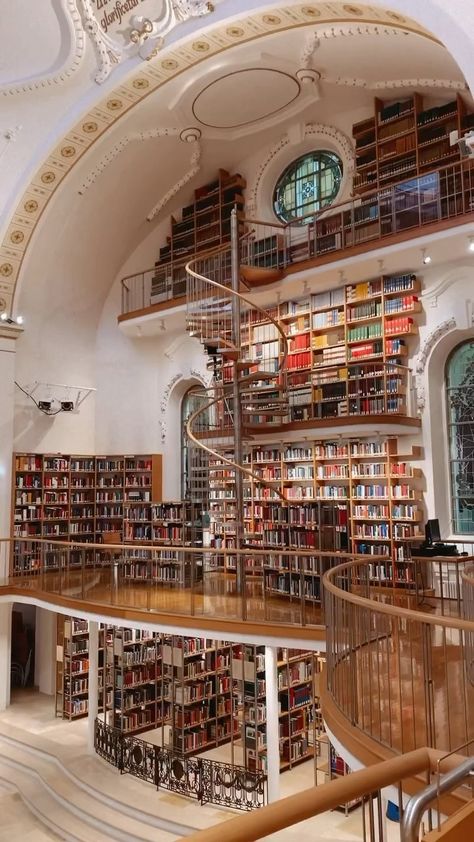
(307, 185)
(192, 400)
(460, 402)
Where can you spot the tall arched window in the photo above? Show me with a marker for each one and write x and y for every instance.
(460, 403)
(193, 399)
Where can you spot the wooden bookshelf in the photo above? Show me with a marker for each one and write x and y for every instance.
(197, 692)
(72, 668)
(405, 139)
(134, 661)
(201, 225)
(82, 497)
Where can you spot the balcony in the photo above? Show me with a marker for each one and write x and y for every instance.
(418, 206)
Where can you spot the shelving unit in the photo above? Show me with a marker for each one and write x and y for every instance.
(72, 668)
(405, 139)
(347, 349)
(134, 662)
(197, 692)
(82, 498)
(202, 225)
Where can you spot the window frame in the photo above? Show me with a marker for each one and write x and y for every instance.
(293, 166)
(451, 434)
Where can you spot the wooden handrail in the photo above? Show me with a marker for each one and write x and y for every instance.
(391, 610)
(179, 548)
(311, 802)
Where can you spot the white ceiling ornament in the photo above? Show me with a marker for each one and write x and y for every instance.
(119, 147)
(71, 27)
(118, 33)
(348, 31)
(195, 166)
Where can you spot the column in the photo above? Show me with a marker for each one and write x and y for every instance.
(45, 651)
(93, 696)
(8, 336)
(273, 724)
(5, 652)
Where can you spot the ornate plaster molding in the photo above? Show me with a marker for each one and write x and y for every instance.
(119, 147)
(73, 22)
(149, 77)
(195, 166)
(140, 35)
(430, 341)
(194, 373)
(355, 30)
(425, 351)
(310, 129)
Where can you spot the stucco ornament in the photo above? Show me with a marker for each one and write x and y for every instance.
(123, 29)
(431, 340)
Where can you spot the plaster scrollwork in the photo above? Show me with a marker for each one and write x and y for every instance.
(71, 20)
(119, 147)
(423, 356)
(164, 404)
(348, 31)
(118, 34)
(191, 172)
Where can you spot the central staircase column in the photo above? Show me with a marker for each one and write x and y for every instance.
(238, 455)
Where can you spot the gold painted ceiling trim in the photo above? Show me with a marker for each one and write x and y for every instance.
(150, 77)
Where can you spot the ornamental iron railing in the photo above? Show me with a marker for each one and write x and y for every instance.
(207, 781)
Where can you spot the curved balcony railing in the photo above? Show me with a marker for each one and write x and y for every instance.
(398, 667)
(397, 212)
(175, 582)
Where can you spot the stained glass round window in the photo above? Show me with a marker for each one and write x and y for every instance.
(307, 185)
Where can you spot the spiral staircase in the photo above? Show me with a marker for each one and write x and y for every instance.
(248, 390)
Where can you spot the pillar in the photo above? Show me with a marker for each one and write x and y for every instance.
(45, 651)
(273, 724)
(8, 336)
(5, 652)
(93, 695)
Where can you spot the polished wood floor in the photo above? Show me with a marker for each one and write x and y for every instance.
(217, 595)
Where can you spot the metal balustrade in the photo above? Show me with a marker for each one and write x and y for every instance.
(207, 781)
(199, 582)
(397, 664)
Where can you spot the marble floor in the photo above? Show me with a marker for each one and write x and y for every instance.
(31, 719)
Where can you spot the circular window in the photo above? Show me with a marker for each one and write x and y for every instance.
(307, 185)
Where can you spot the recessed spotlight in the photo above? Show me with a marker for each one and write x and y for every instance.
(426, 257)
(45, 406)
(19, 320)
(67, 406)
(471, 244)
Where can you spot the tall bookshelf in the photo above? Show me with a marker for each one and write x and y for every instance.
(82, 497)
(134, 663)
(405, 139)
(201, 225)
(72, 668)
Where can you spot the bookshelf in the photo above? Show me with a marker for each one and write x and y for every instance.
(134, 662)
(201, 225)
(347, 349)
(72, 668)
(197, 692)
(405, 139)
(298, 703)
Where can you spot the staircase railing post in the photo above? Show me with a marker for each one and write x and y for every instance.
(239, 496)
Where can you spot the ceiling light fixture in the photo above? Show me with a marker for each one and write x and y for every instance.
(426, 257)
(308, 76)
(471, 243)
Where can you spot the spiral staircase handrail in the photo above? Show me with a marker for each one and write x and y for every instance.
(197, 441)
